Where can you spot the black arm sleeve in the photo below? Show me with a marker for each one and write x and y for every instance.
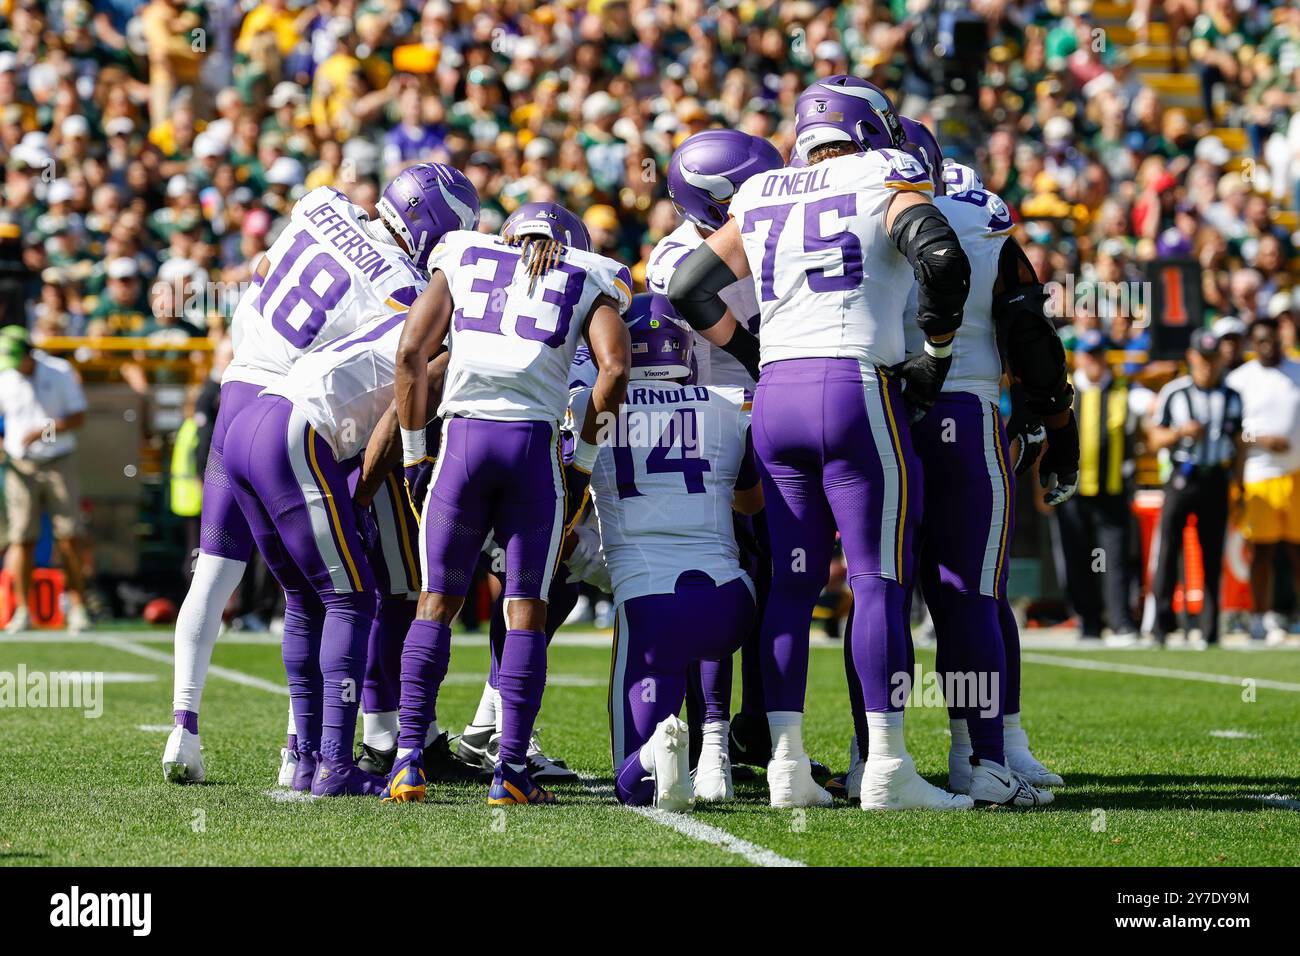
(924, 236)
(743, 347)
(1028, 338)
(696, 285)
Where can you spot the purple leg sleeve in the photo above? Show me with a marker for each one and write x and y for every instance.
(522, 679)
(384, 654)
(632, 784)
(425, 658)
(343, 668)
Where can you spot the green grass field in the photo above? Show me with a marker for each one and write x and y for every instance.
(1160, 770)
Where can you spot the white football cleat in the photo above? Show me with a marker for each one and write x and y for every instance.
(288, 765)
(19, 622)
(713, 773)
(1015, 745)
(995, 785)
(790, 783)
(183, 757)
(892, 783)
(670, 749)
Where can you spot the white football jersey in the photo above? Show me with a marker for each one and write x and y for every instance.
(982, 223)
(830, 282)
(663, 487)
(713, 365)
(511, 349)
(344, 386)
(328, 270)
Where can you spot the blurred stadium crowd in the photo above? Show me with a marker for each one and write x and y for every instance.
(153, 149)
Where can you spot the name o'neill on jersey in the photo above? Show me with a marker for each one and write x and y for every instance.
(830, 281)
(513, 337)
(327, 270)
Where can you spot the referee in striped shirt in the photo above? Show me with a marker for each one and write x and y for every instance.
(1198, 418)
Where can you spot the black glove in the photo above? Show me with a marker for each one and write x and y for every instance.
(367, 527)
(923, 375)
(1029, 429)
(1060, 464)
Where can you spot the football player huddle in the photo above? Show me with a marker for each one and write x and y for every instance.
(820, 355)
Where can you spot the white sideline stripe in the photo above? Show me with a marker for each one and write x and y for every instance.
(1279, 801)
(1233, 734)
(154, 728)
(162, 657)
(696, 829)
(1085, 665)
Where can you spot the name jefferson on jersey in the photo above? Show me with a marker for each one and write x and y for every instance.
(830, 282)
(663, 492)
(325, 272)
(511, 350)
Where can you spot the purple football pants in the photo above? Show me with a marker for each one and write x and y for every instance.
(969, 506)
(656, 639)
(294, 495)
(223, 528)
(505, 478)
(835, 452)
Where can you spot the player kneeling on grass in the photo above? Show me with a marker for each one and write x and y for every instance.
(663, 488)
(515, 306)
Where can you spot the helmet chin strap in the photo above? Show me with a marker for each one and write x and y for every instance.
(383, 232)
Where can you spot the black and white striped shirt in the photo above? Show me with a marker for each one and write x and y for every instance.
(1217, 409)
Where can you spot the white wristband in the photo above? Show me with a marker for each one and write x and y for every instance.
(584, 454)
(413, 449)
(939, 351)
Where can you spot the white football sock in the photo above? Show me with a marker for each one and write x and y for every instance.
(786, 727)
(886, 731)
(715, 734)
(433, 734)
(198, 623)
(499, 711)
(960, 732)
(293, 726)
(379, 730)
(486, 715)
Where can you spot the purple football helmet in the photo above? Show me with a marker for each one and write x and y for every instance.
(921, 143)
(661, 346)
(548, 219)
(425, 201)
(845, 109)
(709, 167)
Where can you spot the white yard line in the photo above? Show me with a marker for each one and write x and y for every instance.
(697, 829)
(682, 823)
(164, 657)
(1089, 665)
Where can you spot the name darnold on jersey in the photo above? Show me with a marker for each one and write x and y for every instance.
(511, 349)
(344, 386)
(982, 222)
(713, 365)
(831, 283)
(330, 268)
(663, 487)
